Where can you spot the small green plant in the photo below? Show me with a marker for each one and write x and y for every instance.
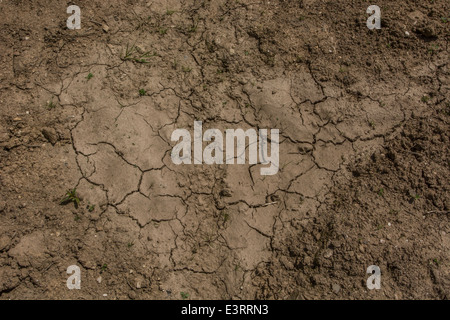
(381, 192)
(130, 244)
(77, 218)
(444, 19)
(51, 105)
(91, 207)
(162, 31)
(425, 99)
(175, 64)
(433, 48)
(104, 267)
(142, 92)
(187, 69)
(372, 124)
(134, 54)
(89, 76)
(71, 196)
(184, 295)
(170, 12)
(337, 203)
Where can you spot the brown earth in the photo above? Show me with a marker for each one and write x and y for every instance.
(364, 149)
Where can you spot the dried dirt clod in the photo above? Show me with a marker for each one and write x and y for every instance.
(30, 250)
(8, 279)
(50, 134)
(5, 242)
(427, 31)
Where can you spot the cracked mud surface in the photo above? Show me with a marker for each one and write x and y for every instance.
(364, 159)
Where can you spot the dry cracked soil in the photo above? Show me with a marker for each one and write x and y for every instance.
(364, 149)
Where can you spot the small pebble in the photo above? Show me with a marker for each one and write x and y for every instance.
(328, 253)
(336, 288)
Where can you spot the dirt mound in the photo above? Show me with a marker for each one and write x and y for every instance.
(391, 209)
